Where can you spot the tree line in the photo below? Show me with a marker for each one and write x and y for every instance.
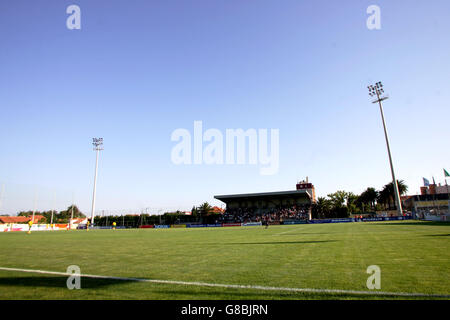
(200, 214)
(203, 213)
(58, 217)
(342, 204)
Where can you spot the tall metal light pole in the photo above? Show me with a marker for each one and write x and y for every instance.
(71, 215)
(378, 91)
(98, 143)
(53, 208)
(34, 205)
(2, 190)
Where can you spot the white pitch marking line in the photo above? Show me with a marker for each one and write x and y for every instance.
(236, 286)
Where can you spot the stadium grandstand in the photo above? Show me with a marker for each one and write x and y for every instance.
(273, 206)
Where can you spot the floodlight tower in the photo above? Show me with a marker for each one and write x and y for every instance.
(378, 91)
(98, 145)
(2, 190)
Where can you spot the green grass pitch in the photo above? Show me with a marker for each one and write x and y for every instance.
(413, 256)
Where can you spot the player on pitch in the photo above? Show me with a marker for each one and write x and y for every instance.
(266, 221)
(30, 224)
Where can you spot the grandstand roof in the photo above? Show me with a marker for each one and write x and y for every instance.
(278, 194)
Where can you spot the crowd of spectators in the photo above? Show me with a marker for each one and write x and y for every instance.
(238, 215)
(244, 215)
(290, 213)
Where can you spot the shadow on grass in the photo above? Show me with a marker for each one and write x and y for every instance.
(418, 223)
(57, 282)
(226, 294)
(234, 295)
(437, 235)
(277, 242)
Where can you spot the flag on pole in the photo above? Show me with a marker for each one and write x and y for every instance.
(446, 174)
(426, 183)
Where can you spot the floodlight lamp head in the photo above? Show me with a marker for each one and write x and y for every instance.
(97, 142)
(376, 89)
(371, 90)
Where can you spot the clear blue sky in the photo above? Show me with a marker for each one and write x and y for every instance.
(138, 70)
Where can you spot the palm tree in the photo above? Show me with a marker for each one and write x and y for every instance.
(205, 209)
(384, 197)
(387, 194)
(338, 199)
(369, 197)
(351, 200)
(402, 187)
(321, 208)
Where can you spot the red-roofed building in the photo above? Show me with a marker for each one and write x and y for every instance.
(37, 218)
(21, 219)
(4, 220)
(216, 209)
(79, 221)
